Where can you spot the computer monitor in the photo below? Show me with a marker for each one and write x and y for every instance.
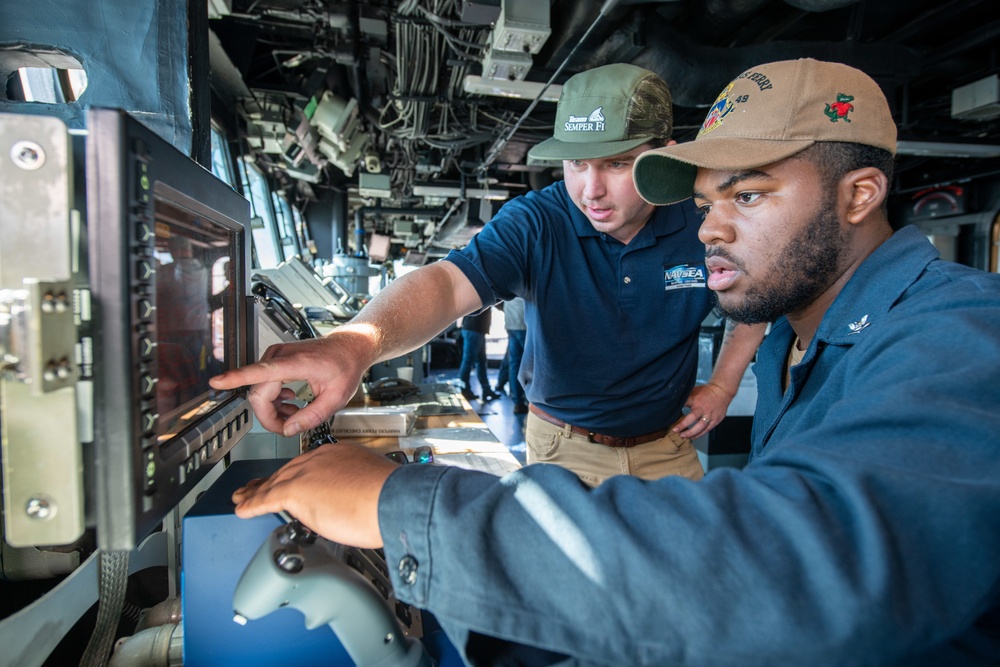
(169, 283)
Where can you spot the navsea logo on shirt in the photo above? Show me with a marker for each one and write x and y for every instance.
(592, 123)
(683, 276)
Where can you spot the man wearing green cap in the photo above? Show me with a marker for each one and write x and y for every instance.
(615, 294)
(864, 529)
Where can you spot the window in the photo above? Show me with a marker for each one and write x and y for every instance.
(286, 225)
(262, 226)
(222, 165)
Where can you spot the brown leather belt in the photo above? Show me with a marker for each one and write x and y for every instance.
(606, 440)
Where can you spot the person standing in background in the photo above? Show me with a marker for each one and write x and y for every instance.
(513, 311)
(474, 330)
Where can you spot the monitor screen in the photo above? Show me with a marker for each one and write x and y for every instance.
(167, 271)
(196, 296)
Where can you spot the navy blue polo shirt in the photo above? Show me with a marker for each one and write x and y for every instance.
(612, 329)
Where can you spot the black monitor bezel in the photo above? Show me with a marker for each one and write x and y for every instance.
(135, 483)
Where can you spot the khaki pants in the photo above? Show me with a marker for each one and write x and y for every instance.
(594, 463)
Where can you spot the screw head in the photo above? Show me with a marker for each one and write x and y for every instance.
(39, 507)
(27, 155)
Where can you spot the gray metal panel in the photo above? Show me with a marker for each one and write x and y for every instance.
(42, 460)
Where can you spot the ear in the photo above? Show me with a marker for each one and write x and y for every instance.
(672, 142)
(864, 190)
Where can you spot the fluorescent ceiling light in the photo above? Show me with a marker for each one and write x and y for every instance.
(942, 149)
(470, 193)
(521, 90)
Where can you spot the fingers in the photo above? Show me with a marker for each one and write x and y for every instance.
(250, 487)
(256, 504)
(707, 407)
(267, 403)
(323, 363)
(315, 413)
(304, 419)
(273, 366)
(256, 499)
(694, 425)
(266, 495)
(260, 372)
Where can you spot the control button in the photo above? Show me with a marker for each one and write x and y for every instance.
(143, 232)
(143, 183)
(246, 416)
(144, 269)
(144, 309)
(146, 346)
(150, 472)
(146, 384)
(190, 465)
(148, 421)
(229, 430)
(218, 440)
(408, 570)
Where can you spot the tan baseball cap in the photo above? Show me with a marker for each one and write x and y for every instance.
(607, 111)
(769, 113)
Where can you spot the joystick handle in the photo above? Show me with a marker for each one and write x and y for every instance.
(294, 568)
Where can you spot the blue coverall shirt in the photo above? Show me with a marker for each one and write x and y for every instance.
(864, 530)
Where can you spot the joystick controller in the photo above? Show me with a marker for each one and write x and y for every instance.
(297, 568)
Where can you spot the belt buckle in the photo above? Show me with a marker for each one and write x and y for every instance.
(590, 438)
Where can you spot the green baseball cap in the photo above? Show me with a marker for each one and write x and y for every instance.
(607, 111)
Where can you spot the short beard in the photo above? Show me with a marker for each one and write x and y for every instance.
(812, 262)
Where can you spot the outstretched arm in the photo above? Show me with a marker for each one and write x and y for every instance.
(404, 316)
(708, 402)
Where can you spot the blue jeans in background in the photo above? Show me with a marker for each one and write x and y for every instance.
(515, 350)
(474, 352)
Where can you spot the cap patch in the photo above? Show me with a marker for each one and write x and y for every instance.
(592, 123)
(719, 110)
(839, 109)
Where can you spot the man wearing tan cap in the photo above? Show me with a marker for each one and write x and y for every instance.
(864, 529)
(615, 294)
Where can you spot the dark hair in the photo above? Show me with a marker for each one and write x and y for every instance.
(833, 159)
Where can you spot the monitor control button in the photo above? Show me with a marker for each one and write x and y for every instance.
(148, 421)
